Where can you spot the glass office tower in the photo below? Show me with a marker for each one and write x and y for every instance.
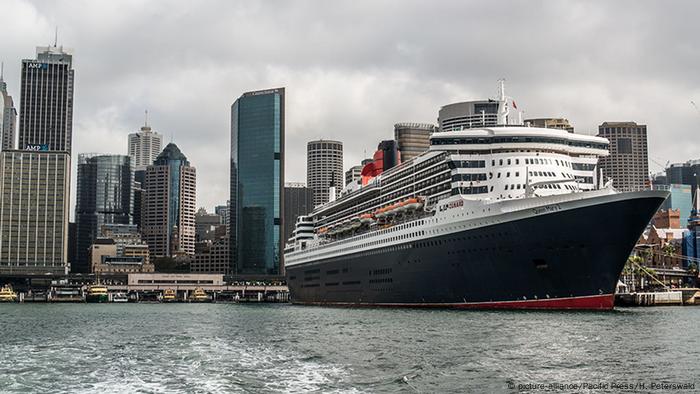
(257, 183)
(105, 196)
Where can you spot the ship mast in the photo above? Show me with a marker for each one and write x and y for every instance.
(503, 109)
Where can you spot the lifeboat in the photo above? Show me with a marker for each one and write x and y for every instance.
(393, 209)
(323, 230)
(380, 213)
(400, 207)
(366, 218)
(413, 204)
(355, 223)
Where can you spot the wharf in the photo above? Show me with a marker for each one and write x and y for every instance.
(150, 287)
(683, 296)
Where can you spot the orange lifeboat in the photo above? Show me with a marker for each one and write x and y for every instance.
(413, 204)
(389, 210)
(400, 207)
(366, 218)
(393, 209)
(380, 213)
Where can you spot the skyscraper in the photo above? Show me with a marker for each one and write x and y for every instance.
(223, 212)
(46, 102)
(324, 166)
(628, 163)
(257, 183)
(298, 200)
(34, 211)
(104, 196)
(207, 226)
(170, 189)
(144, 147)
(34, 202)
(8, 115)
(413, 138)
(354, 173)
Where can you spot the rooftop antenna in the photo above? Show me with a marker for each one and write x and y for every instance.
(694, 105)
(2, 70)
(145, 123)
(55, 38)
(502, 89)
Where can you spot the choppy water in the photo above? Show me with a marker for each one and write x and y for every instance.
(280, 348)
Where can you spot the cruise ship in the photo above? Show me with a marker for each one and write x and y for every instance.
(495, 214)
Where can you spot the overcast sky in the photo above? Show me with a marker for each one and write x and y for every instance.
(352, 69)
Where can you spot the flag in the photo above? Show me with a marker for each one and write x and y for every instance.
(514, 106)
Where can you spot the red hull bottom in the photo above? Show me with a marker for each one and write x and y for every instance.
(598, 302)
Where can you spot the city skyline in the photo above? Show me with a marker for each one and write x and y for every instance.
(362, 86)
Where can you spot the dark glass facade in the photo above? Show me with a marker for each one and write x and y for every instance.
(105, 196)
(46, 100)
(298, 200)
(257, 183)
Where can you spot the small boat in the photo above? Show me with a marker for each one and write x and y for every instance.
(7, 294)
(366, 218)
(120, 297)
(199, 295)
(97, 293)
(169, 295)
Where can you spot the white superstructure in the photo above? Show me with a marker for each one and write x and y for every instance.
(469, 177)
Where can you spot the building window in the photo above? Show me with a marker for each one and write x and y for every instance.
(624, 145)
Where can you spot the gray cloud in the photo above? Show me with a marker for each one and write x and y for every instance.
(352, 69)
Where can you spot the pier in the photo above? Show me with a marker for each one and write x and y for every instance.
(682, 296)
(150, 288)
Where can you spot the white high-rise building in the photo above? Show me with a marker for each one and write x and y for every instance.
(324, 168)
(144, 147)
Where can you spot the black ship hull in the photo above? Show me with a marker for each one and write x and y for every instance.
(569, 259)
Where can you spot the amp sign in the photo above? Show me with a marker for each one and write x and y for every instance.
(40, 66)
(37, 147)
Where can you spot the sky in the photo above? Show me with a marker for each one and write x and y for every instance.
(352, 69)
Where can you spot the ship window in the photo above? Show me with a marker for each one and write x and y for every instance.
(517, 173)
(508, 174)
(517, 161)
(499, 175)
(518, 186)
(500, 162)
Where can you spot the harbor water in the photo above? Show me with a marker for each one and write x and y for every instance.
(282, 348)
